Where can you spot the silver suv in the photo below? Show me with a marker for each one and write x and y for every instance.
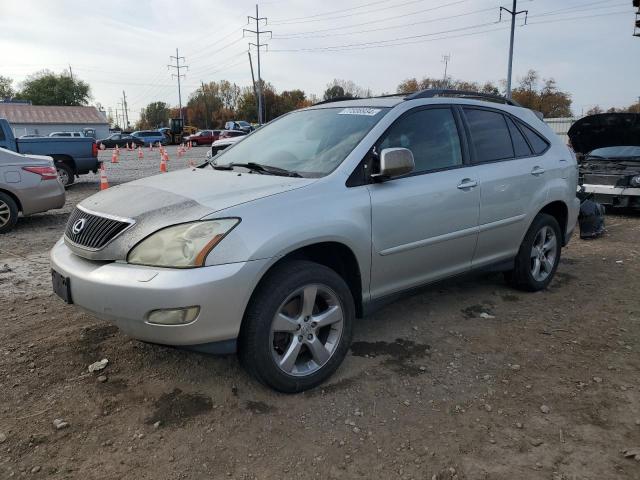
(274, 247)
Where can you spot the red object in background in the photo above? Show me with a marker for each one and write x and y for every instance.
(204, 137)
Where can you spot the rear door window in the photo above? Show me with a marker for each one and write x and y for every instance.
(520, 145)
(489, 135)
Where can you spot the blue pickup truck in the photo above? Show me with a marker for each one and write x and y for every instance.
(72, 156)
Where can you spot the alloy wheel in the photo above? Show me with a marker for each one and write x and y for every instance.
(543, 253)
(306, 330)
(63, 175)
(5, 214)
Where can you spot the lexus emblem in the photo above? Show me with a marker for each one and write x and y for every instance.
(78, 226)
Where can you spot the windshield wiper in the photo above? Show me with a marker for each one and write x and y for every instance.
(258, 167)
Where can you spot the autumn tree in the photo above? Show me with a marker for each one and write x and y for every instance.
(548, 99)
(412, 85)
(48, 88)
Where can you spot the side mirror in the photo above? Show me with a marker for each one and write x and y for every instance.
(395, 162)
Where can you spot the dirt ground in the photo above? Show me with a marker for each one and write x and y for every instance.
(467, 380)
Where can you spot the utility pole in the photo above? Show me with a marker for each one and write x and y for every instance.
(126, 110)
(257, 33)
(253, 80)
(445, 59)
(70, 72)
(178, 66)
(514, 13)
(206, 108)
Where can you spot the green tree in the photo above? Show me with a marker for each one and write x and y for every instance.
(345, 88)
(48, 88)
(154, 115)
(6, 90)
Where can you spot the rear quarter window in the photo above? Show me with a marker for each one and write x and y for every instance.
(538, 143)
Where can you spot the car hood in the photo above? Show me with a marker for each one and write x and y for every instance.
(605, 130)
(187, 195)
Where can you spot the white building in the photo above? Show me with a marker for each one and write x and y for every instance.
(43, 120)
(561, 126)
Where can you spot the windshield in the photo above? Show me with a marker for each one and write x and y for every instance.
(311, 143)
(616, 152)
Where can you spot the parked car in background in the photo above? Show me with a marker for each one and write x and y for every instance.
(121, 140)
(239, 125)
(609, 148)
(320, 216)
(66, 134)
(231, 134)
(203, 137)
(28, 184)
(72, 156)
(220, 145)
(151, 136)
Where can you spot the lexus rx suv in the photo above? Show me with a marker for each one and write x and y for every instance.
(319, 217)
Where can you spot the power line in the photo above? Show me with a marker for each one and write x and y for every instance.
(374, 10)
(178, 75)
(257, 32)
(328, 13)
(404, 25)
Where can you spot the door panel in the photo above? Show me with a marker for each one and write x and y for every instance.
(423, 228)
(510, 187)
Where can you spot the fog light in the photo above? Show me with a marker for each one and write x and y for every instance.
(173, 316)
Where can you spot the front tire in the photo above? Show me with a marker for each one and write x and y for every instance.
(539, 255)
(8, 213)
(298, 327)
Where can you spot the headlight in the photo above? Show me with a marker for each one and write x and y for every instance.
(181, 246)
(635, 181)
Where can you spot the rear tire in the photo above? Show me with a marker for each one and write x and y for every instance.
(8, 213)
(298, 327)
(65, 173)
(539, 255)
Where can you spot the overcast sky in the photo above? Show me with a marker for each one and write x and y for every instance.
(586, 45)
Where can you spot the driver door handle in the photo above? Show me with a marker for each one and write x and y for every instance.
(467, 183)
(537, 171)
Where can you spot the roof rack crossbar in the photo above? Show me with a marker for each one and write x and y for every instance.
(445, 92)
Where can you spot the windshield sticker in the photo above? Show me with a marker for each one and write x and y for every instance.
(368, 112)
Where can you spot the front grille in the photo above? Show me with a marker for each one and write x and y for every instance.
(96, 232)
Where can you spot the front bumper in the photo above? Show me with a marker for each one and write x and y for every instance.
(124, 294)
(614, 196)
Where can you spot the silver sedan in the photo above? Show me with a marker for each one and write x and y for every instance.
(28, 184)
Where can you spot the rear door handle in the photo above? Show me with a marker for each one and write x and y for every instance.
(467, 183)
(537, 171)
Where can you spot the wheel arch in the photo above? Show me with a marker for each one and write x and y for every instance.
(14, 197)
(66, 159)
(333, 254)
(560, 211)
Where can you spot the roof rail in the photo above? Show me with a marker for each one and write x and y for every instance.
(445, 92)
(336, 99)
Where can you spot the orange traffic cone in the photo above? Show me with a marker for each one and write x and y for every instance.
(114, 157)
(140, 154)
(166, 156)
(163, 164)
(151, 146)
(117, 150)
(103, 178)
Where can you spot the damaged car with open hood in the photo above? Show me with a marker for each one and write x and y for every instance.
(608, 145)
(274, 247)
